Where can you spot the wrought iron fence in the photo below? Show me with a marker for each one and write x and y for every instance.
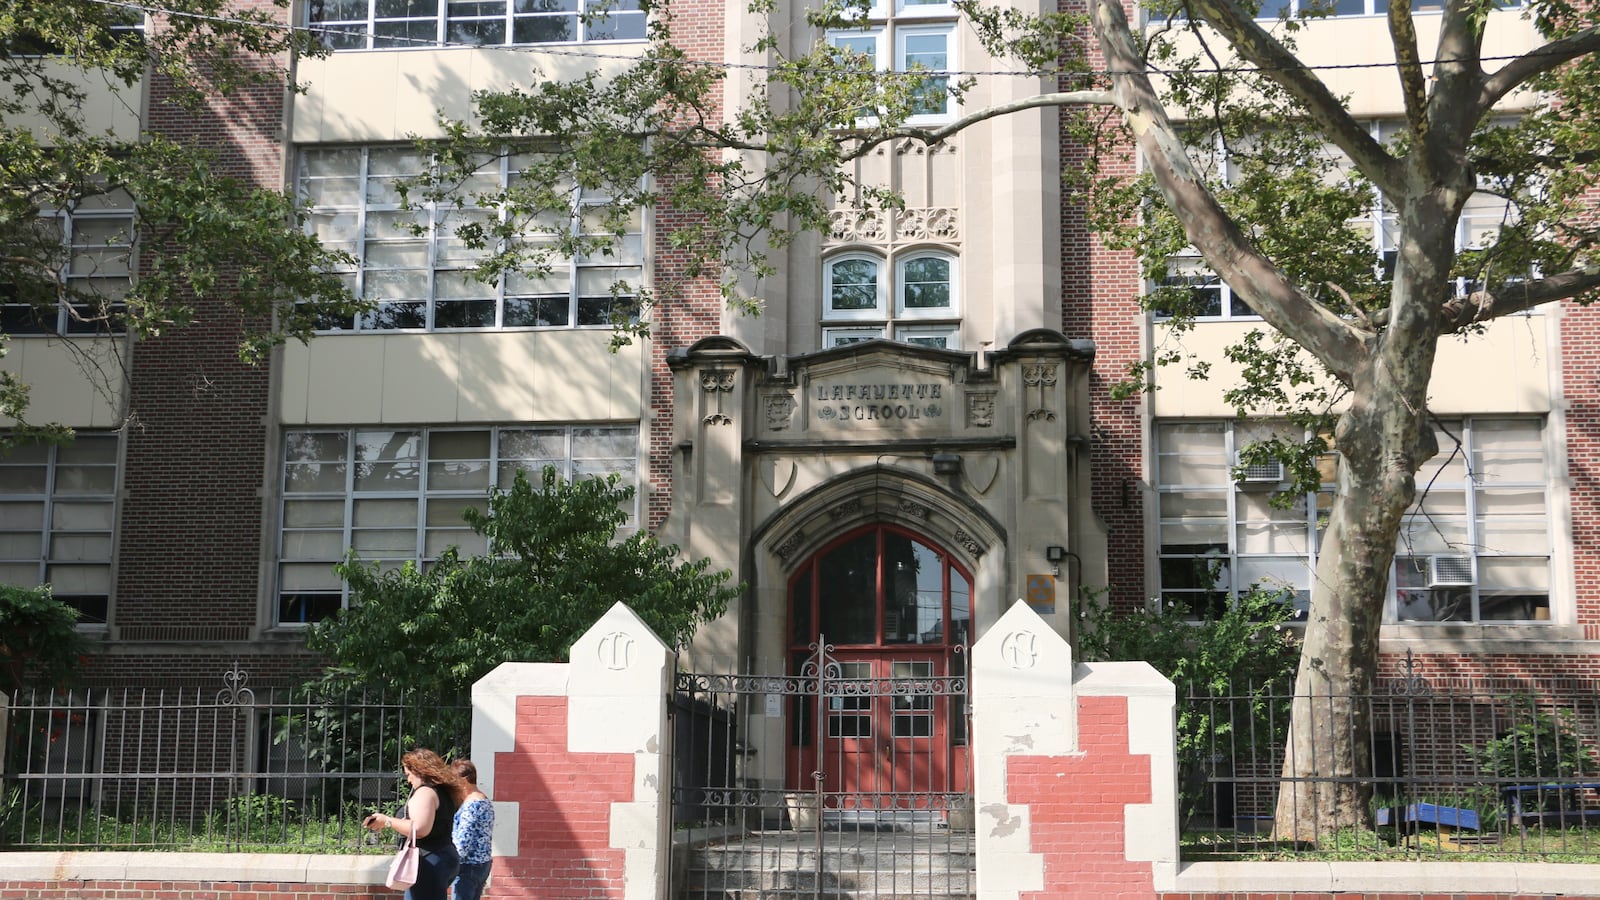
(229, 768)
(1463, 767)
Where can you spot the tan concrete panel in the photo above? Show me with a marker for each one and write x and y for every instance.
(576, 367)
(1502, 370)
(420, 377)
(349, 97)
(345, 374)
(80, 385)
(391, 95)
(1375, 90)
(1505, 370)
(293, 371)
(497, 372)
(108, 103)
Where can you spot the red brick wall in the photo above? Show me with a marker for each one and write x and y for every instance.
(1100, 292)
(693, 309)
(564, 826)
(1080, 831)
(190, 530)
(1580, 359)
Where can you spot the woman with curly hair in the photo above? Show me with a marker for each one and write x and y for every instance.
(436, 793)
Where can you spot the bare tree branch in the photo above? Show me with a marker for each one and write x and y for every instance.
(1252, 42)
(1481, 306)
(1537, 61)
(1338, 344)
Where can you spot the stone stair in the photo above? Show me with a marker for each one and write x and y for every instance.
(837, 864)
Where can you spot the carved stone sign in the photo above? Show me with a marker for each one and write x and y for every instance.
(879, 401)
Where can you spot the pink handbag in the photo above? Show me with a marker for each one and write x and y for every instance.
(403, 871)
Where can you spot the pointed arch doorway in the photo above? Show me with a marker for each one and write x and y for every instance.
(882, 617)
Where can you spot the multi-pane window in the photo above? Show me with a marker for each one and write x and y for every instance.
(57, 511)
(377, 24)
(397, 495)
(96, 239)
(905, 36)
(916, 305)
(1474, 547)
(1480, 223)
(1219, 537)
(420, 275)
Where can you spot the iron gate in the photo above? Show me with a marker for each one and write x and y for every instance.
(835, 774)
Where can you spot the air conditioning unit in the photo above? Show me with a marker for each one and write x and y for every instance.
(1269, 472)
(1450, 571)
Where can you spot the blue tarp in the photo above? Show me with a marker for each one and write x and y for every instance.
(1428, 813)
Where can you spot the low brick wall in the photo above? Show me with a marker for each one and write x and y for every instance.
(190, 876)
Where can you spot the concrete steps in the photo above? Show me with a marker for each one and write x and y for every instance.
(844, 864)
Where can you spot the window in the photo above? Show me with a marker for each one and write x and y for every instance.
(1474, 548)
(396, 495)
(96, 239)
(377, 24)
(57, 511)
(924, 307)
(1218, 537)
(910, 38)
(421, 276)
(1210, 297)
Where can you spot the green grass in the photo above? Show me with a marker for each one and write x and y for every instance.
(1574, 845)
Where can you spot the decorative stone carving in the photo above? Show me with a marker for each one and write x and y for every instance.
(928, 223)
(718, 419)
(789, 545)
(850, 225)
(980, 409)
(969, 542)
(914, 509)
(1035, 415)
(713, 380)
(779, 408)
(849, 507)
(1040, 375)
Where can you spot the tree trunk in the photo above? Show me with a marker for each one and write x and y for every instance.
(1382, 440)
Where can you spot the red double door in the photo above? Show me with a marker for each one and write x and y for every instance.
(887, 724)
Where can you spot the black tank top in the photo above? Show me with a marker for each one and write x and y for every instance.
(438, 838)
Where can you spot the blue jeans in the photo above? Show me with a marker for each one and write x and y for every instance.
(469, 884)
(435, 869)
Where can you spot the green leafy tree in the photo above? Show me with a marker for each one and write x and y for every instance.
(201, 238)
(38, 634)
(1351, 346)
(556, 567)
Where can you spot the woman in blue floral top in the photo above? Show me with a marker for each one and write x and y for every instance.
(474, 823)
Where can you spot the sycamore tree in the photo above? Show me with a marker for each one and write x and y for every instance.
(555, 566)
(107, 231)
(1349, 355)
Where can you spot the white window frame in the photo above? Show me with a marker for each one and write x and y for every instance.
(1474, 486)
(878, 311)
(901, 311)
(909, 334)
(1236, 563)
(24, 320)
(839, 337)
(362, 33)
(41, 566)
(948, 32)
(580, 308)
